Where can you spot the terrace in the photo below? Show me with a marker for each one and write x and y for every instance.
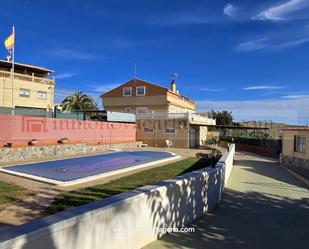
(194, 118)
(29, 78)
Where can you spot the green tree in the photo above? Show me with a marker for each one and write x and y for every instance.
(79, 101)
(222, 117)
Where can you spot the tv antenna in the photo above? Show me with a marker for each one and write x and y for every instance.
(135, 69)
(174, 77)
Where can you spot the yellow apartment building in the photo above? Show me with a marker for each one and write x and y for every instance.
(295, 150)
(32, 90)
(162, 113)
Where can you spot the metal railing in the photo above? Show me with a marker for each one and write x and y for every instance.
(34, 79)
(197, 118)
(35, 112)
(194, 118)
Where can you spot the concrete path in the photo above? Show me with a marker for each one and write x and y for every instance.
(263, 207)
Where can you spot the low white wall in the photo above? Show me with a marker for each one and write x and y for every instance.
(228, 160)
(127, 220)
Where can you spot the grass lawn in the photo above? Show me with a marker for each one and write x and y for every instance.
(10, 194)
(85, 195)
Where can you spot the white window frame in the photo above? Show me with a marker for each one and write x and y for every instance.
(152, 130)
(167, 132)
(128, 109)
(22, 93)
(127, 88)
(141, 108)
(299, 144)
(39, 95)
(140, 87)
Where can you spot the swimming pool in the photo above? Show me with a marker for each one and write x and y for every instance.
(81, 169)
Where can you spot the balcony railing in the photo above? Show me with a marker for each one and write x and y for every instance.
(34, 79)
(199, 119)
(194, 118)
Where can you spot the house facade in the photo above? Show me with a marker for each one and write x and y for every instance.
(295, 150)
(32, 90)
(140, 97)
(162, 113)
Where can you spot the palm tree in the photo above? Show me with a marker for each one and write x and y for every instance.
(79, 101)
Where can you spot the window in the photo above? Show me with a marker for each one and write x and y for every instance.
(141, 110)
(148, 130)
(42, 95)
(25, 93)
(299, 144)
(128, 109)
(140, 90)
(170, 130)
(127, 91)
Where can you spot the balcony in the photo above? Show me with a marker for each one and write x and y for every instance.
(194, 118)
(201, 119)
(23, 77)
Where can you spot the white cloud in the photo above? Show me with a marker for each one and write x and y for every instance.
(72, 54)
(263, 87)
(105, 87)
(281, 11)
(252, 45)
(182, 19)
(291, 44)
(210, 90)
(292, 111)
(229, 10)
(123, 44)
(264, 43)
(196, 16)
(61, 93)
(295, 96)
(64, 75)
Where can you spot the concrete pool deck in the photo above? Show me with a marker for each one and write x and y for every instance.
(29, 209)
(263, 206)
(37, 185)
(73, 171)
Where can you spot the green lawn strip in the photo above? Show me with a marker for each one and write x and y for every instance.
(11, 193)
(75, 198)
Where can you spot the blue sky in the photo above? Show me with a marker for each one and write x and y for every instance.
(251, 57)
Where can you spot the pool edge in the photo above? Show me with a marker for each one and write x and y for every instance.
(89, 178)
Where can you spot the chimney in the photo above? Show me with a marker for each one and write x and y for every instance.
(173, 82)
(173, 86)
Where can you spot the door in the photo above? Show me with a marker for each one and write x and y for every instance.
(192, 137)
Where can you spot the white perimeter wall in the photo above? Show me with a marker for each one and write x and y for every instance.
(127, 220)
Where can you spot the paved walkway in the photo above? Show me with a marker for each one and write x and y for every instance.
(263, 207)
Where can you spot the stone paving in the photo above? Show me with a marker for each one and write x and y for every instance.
(263, 207)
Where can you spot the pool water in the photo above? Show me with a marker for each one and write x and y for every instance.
(82, 167)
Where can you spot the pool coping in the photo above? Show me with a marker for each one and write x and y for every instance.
(87, 178)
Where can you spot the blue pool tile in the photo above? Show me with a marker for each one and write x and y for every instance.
(76, 168)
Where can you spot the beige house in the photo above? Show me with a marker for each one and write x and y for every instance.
(162, 113)
(295, 150)
(32, 91)
(140, 97)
